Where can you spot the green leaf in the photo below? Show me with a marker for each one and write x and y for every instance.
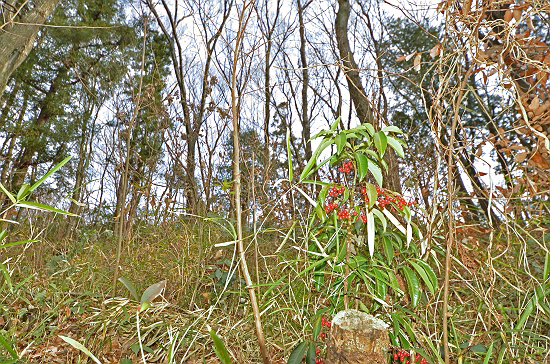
(546, 272)
(362, 165)
(382, 219)
(430, 272)
(130, 287)
(376, 172)
(17, 243)
(23, 191)
(311, 164)
(219, 348)
(381, 286)
(3, 235)
(396, 146)
(489, 353)
(153, 291)
(47, 175)
(317, 326)
(388, 249)
(298, 353)
(310, 357)
(6, 275)
(39, 206)
(392, 129)
(340, 140)
(10, 196)
(373, 196)
(427, 281)
(8, 347)
(380, 142)
(478, 349)
(289, 155)
(334, 125)
(80, 347)
(369, 128)
(413, 285)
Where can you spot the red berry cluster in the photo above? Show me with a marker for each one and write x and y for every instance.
(319, 361)
(347, 167)
(335, 191)
(363, 218)
(384, 200)
(401, 356)
(343, 214)
(330, 207)
(325, 323)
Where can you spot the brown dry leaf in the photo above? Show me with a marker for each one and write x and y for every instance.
(517, 14)
(435, 51)
(467, 6)
(542, 108)
(508, 16)
(408, 57)
(401, 59)
(538, 160)
(535, 104)
(417, 62)
(520, 157)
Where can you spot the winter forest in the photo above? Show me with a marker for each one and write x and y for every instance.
(202, 181)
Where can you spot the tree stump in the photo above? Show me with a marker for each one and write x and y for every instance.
(357, 337)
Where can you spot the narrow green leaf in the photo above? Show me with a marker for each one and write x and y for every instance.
(39, 206)
(10, 196)
(370, 128)
(220, 349)
(311, 164)
(546, 272)
(413, 285)
(23, 191)
(376, 171)
(130, 287)
(430, 272)
(362, 165)
(396, 146)
(489, 353)
(392, 129)
(317, 326)
(17, 243)
(334, 125)
(380, 142)
(389, 251)
(298, 353)
(310, 356)
(47, 175)
(289, 155)
(526, 313)
(381, 218)
(427, 281)
(314, 265)
(80, 347)
(340, 140)
(8, 347)
(6, 275)
(372, 195)
(3, 235)
(380, 286)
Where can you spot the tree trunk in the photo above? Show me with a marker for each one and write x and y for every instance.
(306, 129)
(17, 40)
(364, 111)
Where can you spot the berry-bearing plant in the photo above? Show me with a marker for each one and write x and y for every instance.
(366, 250)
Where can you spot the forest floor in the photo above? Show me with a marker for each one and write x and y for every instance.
(65, 288)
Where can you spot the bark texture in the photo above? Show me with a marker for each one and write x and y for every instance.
(18, 35)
